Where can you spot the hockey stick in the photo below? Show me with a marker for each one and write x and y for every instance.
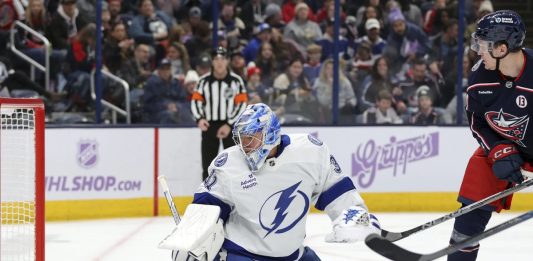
(392, 251)
(163, 181)
(394, 236)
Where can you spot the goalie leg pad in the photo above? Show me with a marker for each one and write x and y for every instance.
(200, 234)
(309, 255)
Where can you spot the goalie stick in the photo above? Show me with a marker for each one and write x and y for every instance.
(394, 236)
(163, 181)
(392, 251)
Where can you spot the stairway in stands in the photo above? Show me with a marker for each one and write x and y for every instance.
(525, 9)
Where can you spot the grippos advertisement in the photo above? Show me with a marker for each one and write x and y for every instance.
(99, 163)
(399, 159)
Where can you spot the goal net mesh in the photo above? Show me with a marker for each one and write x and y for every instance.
(17, 183)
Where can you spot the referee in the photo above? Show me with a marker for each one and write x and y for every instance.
(219, 97)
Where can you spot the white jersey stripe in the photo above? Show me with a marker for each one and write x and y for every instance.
(208, 102)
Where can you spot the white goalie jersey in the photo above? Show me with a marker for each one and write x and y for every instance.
(265, 212)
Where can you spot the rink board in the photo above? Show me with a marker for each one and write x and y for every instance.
(111, 172)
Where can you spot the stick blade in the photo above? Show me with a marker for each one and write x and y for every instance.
(389, 250)
(391, 236)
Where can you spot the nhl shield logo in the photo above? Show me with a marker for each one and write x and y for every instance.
(87, 153)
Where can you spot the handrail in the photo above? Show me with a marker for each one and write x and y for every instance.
(114, 108)
(48, 47)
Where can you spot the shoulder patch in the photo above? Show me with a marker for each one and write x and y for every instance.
(476, 66)
(334, 164)
(221, 159)
(314, 140)
(210, 180)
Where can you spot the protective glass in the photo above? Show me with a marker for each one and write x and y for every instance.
(480, 46)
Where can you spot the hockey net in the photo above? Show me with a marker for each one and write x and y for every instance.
(21, 179)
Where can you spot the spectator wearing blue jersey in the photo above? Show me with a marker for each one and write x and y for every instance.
(372, 37)
(262, 34)
(327, 42)
(313, 64)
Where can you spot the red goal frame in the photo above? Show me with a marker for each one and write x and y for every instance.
(38, 106)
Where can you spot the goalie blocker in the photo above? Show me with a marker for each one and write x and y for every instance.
(199, 235)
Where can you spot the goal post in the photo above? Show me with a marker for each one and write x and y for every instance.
(22, 181)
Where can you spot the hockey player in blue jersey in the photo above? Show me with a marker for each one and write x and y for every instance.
(261, 191)
(498, 109)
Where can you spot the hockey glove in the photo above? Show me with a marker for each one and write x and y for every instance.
(354, 224)
(527, 170)
(506, 162)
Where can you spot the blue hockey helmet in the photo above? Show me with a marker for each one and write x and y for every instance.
(504, 26)
(256, 132)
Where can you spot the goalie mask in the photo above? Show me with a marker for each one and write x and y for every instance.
(256, 132)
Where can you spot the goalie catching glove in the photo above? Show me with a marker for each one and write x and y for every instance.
(354, 224)
(199, 235)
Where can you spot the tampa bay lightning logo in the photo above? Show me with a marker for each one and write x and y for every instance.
(512, 127)
(210, 180)
(221, 159)
(334, 164)
(274, 216)
(314, 140)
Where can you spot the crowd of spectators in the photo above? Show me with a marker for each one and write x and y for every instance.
(398, 58)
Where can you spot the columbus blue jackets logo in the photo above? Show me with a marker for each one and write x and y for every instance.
(221, 159)
(314, 140)
(283, 210)
(512, 127)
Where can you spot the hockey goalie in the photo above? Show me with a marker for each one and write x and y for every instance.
(254, 204)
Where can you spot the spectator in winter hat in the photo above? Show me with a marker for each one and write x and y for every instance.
(195, 17)
(195, 12)
(395, 15)
(255, 89)
(302, 30)
(426, 115)
(273, 16)
(190, 81)
(272, 9)
(290, 8)
(405, 42)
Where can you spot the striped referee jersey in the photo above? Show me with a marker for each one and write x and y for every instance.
(219, 100)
